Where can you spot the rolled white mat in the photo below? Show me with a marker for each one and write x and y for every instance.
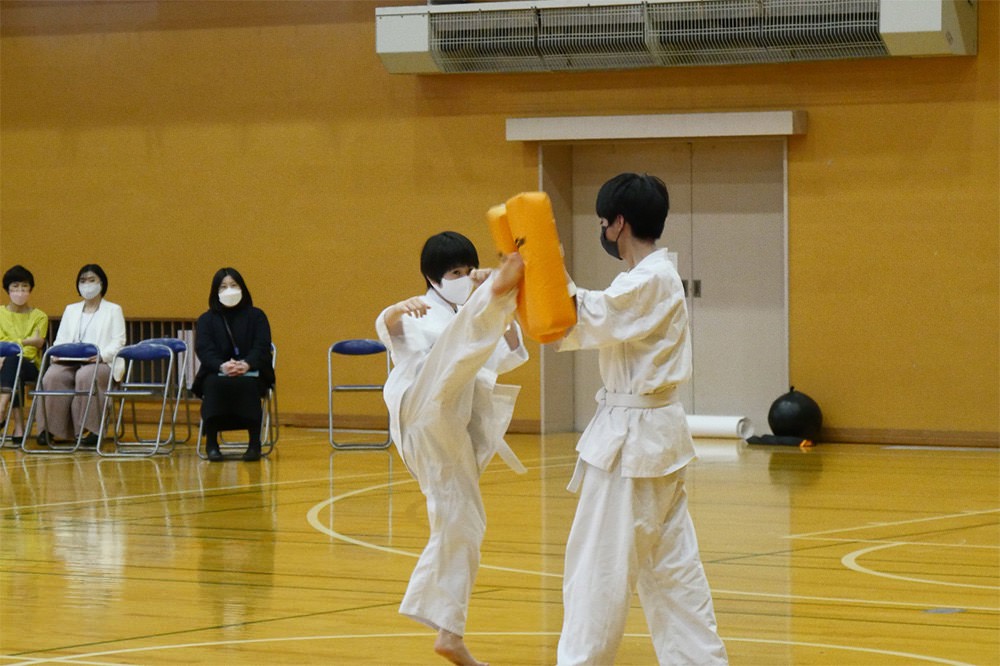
(720, 426)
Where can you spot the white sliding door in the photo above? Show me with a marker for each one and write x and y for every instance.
(727, 226)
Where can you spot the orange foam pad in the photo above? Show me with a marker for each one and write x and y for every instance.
(548, 310)
(500, 229)
(496, 217)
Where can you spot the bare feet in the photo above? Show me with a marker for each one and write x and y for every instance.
(452, 647)
(509, 274)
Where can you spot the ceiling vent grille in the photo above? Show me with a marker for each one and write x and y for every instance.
(558, 35)
(595, 37)
(748, 31)
(494, 41)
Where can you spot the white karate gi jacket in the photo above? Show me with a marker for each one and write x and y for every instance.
(448, 417)
(639, 324)
(493, 403)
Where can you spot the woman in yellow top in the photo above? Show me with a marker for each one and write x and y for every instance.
(27, 326)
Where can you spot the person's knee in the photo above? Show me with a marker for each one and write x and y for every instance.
(57, 378)
(85, 376)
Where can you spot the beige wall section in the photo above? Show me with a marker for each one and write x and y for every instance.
(286, 150)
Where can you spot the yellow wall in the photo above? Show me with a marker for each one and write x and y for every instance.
(289, 152)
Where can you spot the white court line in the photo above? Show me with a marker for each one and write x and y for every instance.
(784, 596)
(895, 542)
(80, 659)
(851, 648)
(851, 562)
(194, 491)
(164, 494)
(312, 517)
(870, 526)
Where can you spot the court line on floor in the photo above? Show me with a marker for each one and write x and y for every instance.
(897, 542)
(80, 659)
(167, 493)
(313, 519)
(718, 593)
(199, 491)
(851, 562)
(896, 523)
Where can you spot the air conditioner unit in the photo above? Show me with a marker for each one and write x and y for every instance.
(569, 35)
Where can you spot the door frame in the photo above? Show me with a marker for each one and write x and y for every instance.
(555, 137)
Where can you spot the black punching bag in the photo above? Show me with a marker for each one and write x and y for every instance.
(795, 415)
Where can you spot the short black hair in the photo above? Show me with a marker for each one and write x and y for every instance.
(641, 199)
(96, 270)
(213, 297)
(17, 273)
(445, 251)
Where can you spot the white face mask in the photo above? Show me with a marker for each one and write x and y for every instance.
(19, 298)
(90, 290)
(455, 291)
(230, 296)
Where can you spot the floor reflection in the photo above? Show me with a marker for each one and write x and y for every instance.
(237, 527)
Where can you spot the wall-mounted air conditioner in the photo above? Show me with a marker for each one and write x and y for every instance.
(560, 35)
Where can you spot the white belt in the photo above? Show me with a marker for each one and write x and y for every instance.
(661, 398)
(508, 456)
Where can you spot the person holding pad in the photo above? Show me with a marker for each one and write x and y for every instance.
(632, 528)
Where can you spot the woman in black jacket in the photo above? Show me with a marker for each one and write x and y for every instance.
(233, 343)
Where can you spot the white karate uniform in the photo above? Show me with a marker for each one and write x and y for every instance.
(448, 417)
(632, 527)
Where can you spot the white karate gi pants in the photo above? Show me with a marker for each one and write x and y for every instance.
(435, 416)
(628, 533)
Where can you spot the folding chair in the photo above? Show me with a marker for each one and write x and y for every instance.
(269, 431)
(356, 348)
(9, 351)
(181, 354)
(68, 352)
(139, 385)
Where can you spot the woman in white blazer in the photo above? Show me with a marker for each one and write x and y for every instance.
(101, 323)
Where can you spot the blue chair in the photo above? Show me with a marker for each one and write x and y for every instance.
(355, 348)
(137, 386)
(9, 351)
(180, 349)
(69, 352)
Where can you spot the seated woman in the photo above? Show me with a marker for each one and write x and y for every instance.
(28, 326)
(99, 322)
(233, 343)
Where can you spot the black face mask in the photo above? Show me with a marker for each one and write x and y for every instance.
(611, 247)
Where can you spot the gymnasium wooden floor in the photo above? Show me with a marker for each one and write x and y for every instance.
(835, 555)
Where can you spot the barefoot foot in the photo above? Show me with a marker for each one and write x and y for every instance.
(509, 274)
(452, 647)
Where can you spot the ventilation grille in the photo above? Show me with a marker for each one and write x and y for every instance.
(595, 38)
(654, 34)
(480, 41)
